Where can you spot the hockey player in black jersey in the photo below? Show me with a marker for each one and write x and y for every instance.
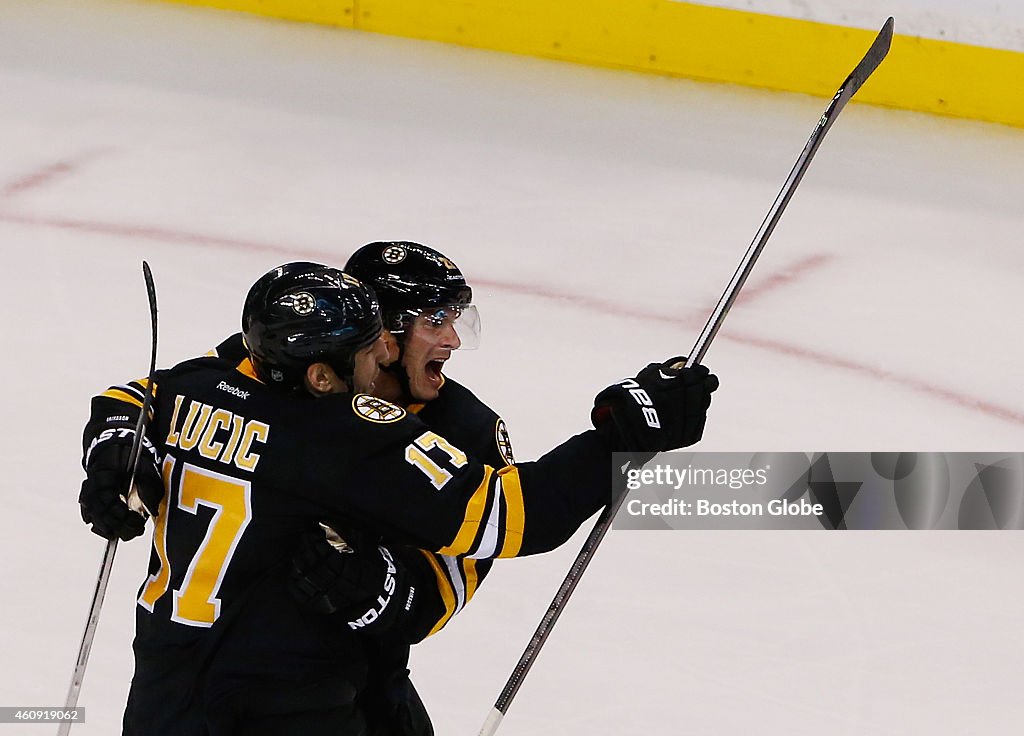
(250, 461)
(427, 306)
(427, 310)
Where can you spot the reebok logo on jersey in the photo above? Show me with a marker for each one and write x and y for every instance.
(233, 390)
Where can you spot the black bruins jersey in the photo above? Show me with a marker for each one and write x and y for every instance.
(471, 425)
(248, 470)
(467, 423)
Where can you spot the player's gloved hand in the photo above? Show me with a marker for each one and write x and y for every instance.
(362, 581)
(102, 500)
(663, 408)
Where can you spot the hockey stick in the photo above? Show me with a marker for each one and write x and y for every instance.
(863, 70)
(108, 554)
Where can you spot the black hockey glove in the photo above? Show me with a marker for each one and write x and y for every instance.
(365, 584)
(663, 408)
(103, 497)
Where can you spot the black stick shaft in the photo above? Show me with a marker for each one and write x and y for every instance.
(863, 70)
(107, 563)
(874, 56)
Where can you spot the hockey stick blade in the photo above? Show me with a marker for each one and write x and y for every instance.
(107, 564)
(863, 70)
(133, 456)
(875, 55)
(856, 79)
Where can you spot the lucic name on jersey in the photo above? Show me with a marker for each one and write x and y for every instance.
(247, 471)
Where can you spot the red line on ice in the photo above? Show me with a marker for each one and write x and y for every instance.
(962, 400)
(583, 302)
(179, 237)
(47, 174)
(752, 291)
(758, 286)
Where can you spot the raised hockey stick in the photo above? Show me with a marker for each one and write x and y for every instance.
(863, 70)
(108, 554)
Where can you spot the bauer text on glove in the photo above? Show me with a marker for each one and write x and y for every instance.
(663, 408)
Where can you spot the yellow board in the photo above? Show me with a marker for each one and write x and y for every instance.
(694, 41)
(326, 12)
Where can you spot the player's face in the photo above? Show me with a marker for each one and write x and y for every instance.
(429, 343)
(367, 366)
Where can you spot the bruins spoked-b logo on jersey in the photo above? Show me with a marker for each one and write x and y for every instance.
(377, 410)
(504, 442)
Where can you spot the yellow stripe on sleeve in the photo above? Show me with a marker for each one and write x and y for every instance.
(447, 594)
(476, 512)
(515, 512)
(143, 385)
(472, 578)
(118, 394)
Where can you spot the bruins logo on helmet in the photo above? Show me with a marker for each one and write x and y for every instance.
(376, 410)
(302, 303)
(394, 254)
(504, 442)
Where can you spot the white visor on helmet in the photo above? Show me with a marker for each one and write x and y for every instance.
(464, 318)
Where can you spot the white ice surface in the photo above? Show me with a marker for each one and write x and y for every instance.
(599, 215)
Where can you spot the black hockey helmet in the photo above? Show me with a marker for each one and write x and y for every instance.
(411, 279)
(302, 313)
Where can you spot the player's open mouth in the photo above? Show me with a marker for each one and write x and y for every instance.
(433, 369)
